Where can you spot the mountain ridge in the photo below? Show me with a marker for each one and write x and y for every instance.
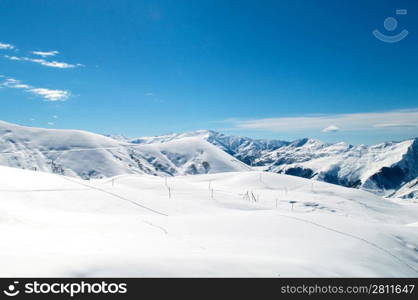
(385, 169)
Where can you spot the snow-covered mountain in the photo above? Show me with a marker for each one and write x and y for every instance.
(245, 149)
(388, 169)
(87, 155)
(380, 168)
(383, 168)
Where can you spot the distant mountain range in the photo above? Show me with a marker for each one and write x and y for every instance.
(389, 169)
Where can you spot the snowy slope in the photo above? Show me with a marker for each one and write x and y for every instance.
(408, 191)
(191, 155)
(69, 152)
(88, 155)
(128, 226)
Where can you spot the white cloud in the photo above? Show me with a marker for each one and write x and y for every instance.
(4, 46)
(14, 84)
(51, 95)
(46, 94)
(51, 123)
(331, 128)
(45, 53)
(41, 61)
(348, 122)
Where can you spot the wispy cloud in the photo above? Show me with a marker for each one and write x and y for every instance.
(51, 95)
(394, 125)
(45, 53)
(15, 84)
(43, 62)
(334, 122)
(46, 94)
(4, 46)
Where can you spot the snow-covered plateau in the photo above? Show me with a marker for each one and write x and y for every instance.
(204, 204)
(225, 224)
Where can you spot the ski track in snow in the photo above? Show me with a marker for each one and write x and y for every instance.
(128, 200)
(223, 191)
(354, 237)
(321, 226)
(193, 223)
(117, 196)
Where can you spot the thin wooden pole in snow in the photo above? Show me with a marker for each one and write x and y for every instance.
(246, 196)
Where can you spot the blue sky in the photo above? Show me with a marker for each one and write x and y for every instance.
(269, 69)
